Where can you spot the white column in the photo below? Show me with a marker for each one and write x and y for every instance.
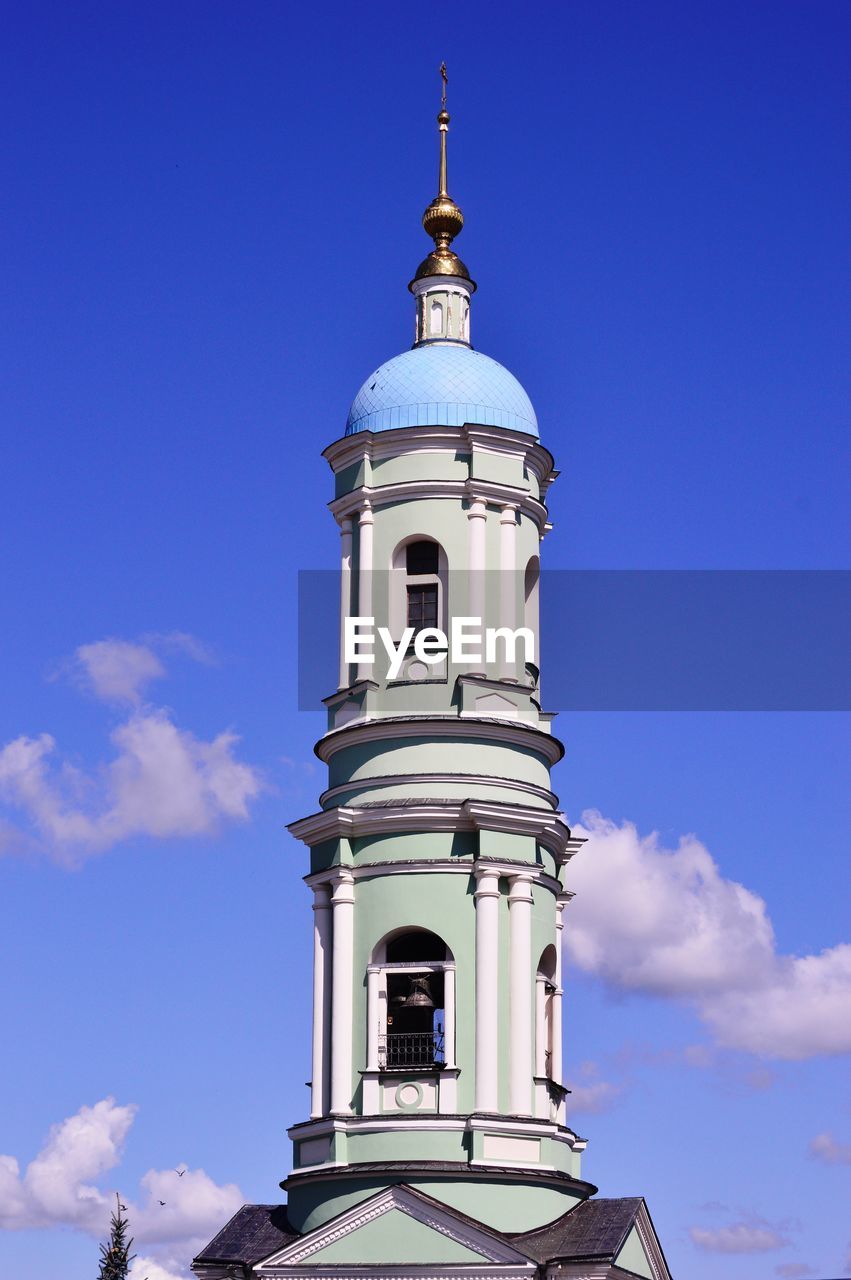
(366, 521)
(321, 1001)
(449, 1015)
(373, 974)
(477, 516)
(520, 995)
(556, 1068)
(487, 991)
(507, 584)
(342, 992)
(345, 594)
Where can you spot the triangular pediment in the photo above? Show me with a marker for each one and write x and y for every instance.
(641, 1253)
(398, 1227)
(493, 704)
(633, 1256)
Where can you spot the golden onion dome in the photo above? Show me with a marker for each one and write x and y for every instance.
(442, 220)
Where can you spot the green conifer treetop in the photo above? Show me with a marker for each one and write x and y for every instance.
(115, 1256)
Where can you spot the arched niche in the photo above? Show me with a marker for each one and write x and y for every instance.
(411, 1001)
(419, 576)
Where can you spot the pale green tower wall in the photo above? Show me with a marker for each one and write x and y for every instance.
(431, 786)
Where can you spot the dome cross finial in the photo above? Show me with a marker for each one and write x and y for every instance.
(443, 124)
(443, 219)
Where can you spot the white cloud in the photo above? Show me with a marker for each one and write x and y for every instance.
(180, 642)
(117, 670)
(162, 782)
(195, 1207)
(738, 1237)
(667, 923)
(661, 921)
(57, 1186)
(794, 1270)
(802, 1009)
(58, 1189)
(142, 1268)
(825, 1147)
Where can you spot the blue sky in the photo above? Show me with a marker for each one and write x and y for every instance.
(210, 214)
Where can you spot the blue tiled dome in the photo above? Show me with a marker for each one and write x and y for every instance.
(441, 385)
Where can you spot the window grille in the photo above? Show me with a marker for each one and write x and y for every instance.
(422, 605)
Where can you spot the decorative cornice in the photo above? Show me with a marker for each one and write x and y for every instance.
(370, 1271)
(349, 450)
(457, 490)
(515, 733)
(549, 829)
(650, 1242)
(439, 1169)
(441, 866)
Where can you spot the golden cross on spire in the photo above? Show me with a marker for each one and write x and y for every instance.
(445, 80)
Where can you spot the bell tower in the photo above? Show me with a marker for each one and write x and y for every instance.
(438, 1143)
(437, 857)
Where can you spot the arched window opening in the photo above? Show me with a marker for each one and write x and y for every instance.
(414, 1010)
(418, 586)
(546, 990)
(435, 320)
(531, 597)
(422, 586)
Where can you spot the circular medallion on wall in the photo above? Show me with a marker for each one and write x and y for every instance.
(409, 1095)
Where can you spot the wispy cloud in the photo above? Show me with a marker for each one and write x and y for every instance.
(594, 1098)
(143, 1268)
(59, 1188)
(793, 1270)
(119, 671)
(738, 1237)
(665, 922)
(116, 670)
(825, 1147)
(589, 1094)
(161, 780)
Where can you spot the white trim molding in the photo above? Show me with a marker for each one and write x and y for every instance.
(381, 781)
(549, 829)
(472, 438)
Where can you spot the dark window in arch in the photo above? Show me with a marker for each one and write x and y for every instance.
(421, 561)
(420, 557)
(419, 944)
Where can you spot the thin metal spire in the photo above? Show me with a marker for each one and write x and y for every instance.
(443, 126)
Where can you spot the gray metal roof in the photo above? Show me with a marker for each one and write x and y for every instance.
(594, 1229)
(254, 1231)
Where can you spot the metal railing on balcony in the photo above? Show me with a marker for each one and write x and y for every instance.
(410, 1049)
